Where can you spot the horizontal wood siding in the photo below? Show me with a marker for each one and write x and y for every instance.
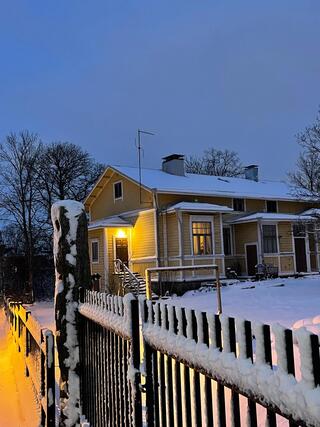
(173, 235)
(217, 234)
(97, 267)
(105, 205)
(287, 264)
(245, 233)
(273, 260)
(285, 236)
(187, 241)
(255, 205)
(140, 267)
(143, 235)
(169, 199)
(292, 207)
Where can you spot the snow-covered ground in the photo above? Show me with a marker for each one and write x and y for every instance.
(279, 300)
(17, 403)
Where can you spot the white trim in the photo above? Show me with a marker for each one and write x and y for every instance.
(155, 219)
(95, 240)
(294, 250)
(245, 252)
(202, 218)
(105, 258)
(115, 199)
(143, 259)
(135, 212)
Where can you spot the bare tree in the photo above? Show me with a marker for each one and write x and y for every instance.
(19, 198)
(306, 177)
(68, 172)
(215, 162)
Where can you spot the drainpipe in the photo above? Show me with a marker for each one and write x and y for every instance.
(156, 207)
(260, 243)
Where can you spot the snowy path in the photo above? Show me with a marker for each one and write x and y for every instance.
(17, 404)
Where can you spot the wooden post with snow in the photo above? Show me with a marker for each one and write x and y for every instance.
(72, 271)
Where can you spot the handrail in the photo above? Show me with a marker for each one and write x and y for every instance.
(121, 267)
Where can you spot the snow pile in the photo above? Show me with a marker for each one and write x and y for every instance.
(104, 309)
(274, 387)
(311, 324)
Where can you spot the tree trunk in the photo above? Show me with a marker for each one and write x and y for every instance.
(72, 270)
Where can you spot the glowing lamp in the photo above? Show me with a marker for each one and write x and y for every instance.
(121, 234)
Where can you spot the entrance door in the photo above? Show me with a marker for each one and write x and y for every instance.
(122, 250)
(301, 257)
(252, 259)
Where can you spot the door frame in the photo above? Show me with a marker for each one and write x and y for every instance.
(114, 238)
(245, 250)
(307, 253)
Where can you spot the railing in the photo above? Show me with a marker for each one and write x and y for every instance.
(197, 368)
(120, 267)
(110, 360)
(36, 346)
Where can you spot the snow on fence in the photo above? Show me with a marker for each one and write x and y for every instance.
(36, 345)
(196, 368)
(109, 359)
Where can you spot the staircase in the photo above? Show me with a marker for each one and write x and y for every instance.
(130, 281)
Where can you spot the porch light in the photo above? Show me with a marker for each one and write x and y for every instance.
(121, 234)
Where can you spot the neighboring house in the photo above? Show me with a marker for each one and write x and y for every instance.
(174, 218)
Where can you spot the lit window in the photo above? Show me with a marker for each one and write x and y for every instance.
(238, 205)
(270, 239)
(272, 206)
(202, 238)
(227, 241)
(95, 251)
(117, 190)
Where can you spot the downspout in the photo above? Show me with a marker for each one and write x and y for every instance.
(156, 207)
(260, 243)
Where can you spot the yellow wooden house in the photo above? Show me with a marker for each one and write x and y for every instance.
(167, 217)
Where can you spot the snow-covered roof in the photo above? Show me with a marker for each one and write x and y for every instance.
(312, 212)
(266, 216)
(114, 221)
(198, 207)
(208, 185)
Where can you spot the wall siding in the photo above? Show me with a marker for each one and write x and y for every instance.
(245, 233)
(287, 264)
(143, 235)
(173, 235)
(285, 237)
(97, 267)
(104, 205)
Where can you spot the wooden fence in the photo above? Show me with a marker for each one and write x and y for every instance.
(36, 346)
(195, 368)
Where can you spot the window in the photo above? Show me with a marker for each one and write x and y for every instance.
(270, 239)
(202, 238)
(227, 241)
(272, 206)
(117, 190)
(94, 251)
(299, 230)
(238, 205)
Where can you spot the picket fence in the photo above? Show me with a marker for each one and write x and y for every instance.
(155, 364)
(36, 345)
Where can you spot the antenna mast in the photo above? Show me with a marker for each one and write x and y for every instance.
(139, 157)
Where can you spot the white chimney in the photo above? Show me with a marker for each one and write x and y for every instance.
(252, 172)
(174, 164)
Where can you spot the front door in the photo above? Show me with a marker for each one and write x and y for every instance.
(301, 257)
(122, 250)
(252, 259)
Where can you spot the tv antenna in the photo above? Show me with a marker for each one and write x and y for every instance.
(140, 132)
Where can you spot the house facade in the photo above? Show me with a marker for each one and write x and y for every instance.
(172, 218)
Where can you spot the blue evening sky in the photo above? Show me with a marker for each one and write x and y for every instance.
(243, 75)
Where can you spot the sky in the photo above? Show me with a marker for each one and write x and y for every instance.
(212, 73)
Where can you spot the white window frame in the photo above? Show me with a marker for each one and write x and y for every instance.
(114, 192)
(266, 204)
(202, 218)
(231, 240)
(91, 251)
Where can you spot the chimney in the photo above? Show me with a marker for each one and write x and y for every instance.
(252, 172)
(174, 164)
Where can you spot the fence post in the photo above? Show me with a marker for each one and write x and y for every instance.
(135, 360)
(72, 270)
(49, 379)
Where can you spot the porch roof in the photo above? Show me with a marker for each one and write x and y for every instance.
(198, 207)
(267, 216)
(313, 212)
(112, 221)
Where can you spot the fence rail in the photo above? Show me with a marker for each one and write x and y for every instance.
(196, 368)
(110, 360)
(36, 345)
